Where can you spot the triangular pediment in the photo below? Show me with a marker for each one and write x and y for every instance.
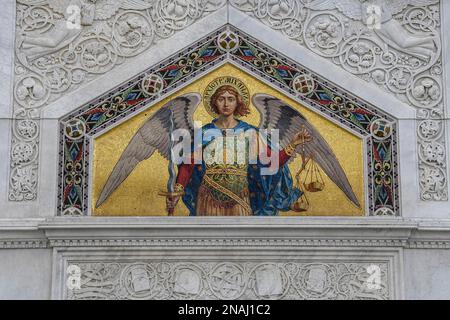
(229, 45)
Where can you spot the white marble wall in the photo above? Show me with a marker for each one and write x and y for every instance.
(25, 273)
(28, 231)
(412, 203)
(427, 274)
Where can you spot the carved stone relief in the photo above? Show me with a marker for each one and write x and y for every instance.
(228, 280)
(394, 45)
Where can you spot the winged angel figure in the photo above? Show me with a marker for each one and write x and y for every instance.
(36, 46)
(230, 188)
(388, 29)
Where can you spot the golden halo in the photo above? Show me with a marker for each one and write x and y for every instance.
(212, 87)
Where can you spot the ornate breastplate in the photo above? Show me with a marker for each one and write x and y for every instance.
(226, 161)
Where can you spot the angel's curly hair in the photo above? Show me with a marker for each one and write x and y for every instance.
(241, 110)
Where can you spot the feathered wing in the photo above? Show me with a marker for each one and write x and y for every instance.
(353, 8)
(32, 2)
(275, 114)
(59, 6)
(107, 8)
(136, 4)
(350, 8)
(398, 6)
(104, 9)
(152, 136)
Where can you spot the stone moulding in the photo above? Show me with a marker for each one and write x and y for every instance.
(222, 243)
(180, 261)
(24, 244)
(324, 275)
(182, 234)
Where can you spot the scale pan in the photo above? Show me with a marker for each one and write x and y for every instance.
(315, 186)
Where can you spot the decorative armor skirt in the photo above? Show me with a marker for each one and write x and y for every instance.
(224, 194)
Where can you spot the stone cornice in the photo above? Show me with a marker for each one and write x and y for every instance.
(178, 232)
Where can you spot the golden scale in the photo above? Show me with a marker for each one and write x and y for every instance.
(308, 178)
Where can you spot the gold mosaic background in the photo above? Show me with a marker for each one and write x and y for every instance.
(138, 194)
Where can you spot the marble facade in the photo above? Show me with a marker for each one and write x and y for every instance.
(403, 256)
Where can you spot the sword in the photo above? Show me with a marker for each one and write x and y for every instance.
(170, 193)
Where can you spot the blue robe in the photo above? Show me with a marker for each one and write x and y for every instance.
(268, 193)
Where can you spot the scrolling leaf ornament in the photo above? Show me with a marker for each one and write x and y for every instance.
(166, 280)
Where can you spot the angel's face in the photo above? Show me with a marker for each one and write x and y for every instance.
(226, 104)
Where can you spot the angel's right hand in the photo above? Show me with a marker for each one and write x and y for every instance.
(171, 202)
(301, 137)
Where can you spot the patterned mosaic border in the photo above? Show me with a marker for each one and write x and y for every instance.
(229, 44)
